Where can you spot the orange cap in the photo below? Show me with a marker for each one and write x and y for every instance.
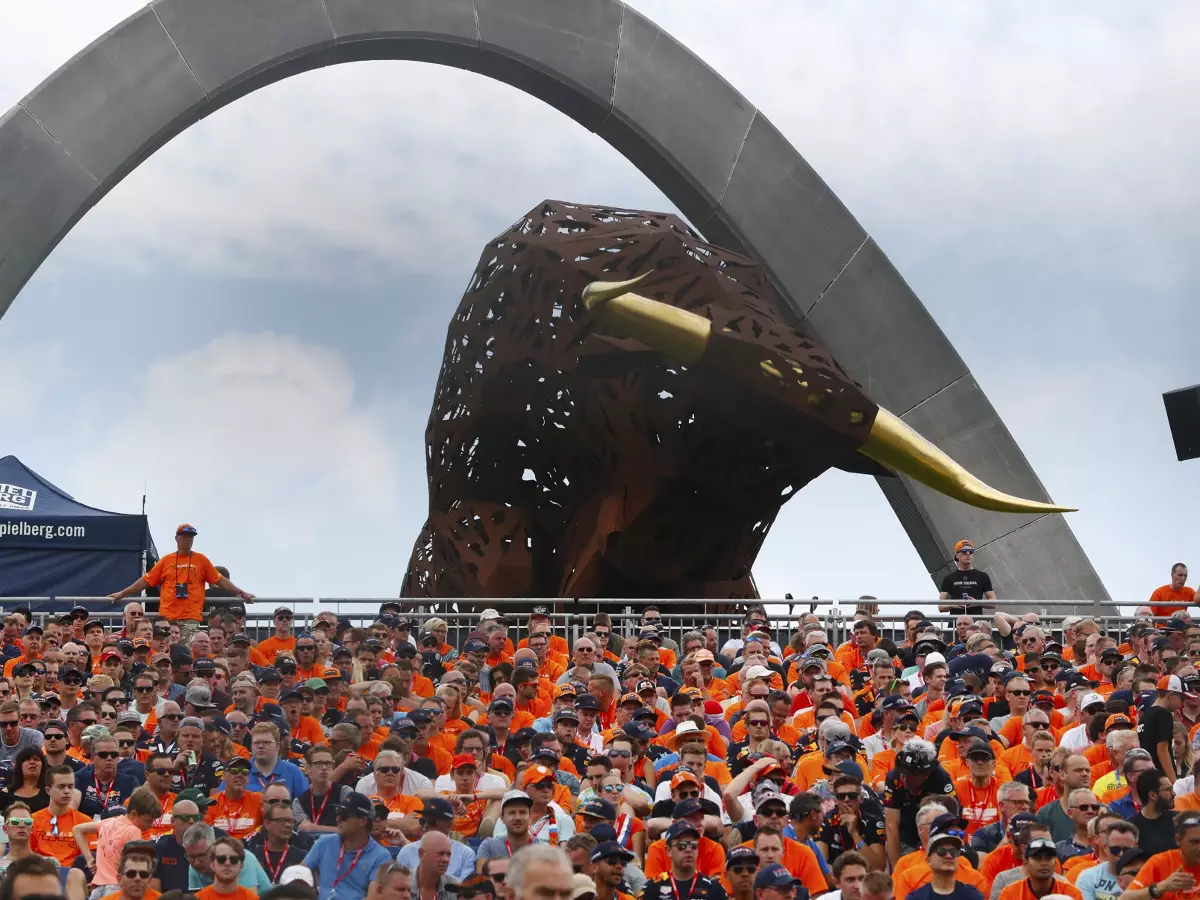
(537, 774)
(566, 689)
(681, 777)
(962, 544)
(630, 698)
(1117, 719)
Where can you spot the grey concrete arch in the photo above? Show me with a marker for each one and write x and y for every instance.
(728, 169)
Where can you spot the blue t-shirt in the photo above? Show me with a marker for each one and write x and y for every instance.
(961, 892)
(284, 771)
(353, 876)
(1098, 883)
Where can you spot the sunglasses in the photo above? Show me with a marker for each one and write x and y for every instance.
(144, 689)
(55, 736)
(162, 772)
(1018, 693)
(226, 860)
(26, 822)
(107, 754)
(759, 723)
(1050, 666)
(688, 795)
(1087, 807)
(901, 726)
(743, 869)
(171, 717)
(847, 796)
(773, 813)
(189, 817)
(136, 873)
(86, 723)
(947, 851)
(388, 770)
(686, 845)
(12, 723)
(619, 754)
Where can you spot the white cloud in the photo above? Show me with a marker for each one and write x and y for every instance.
(265, 435)
(28, 375)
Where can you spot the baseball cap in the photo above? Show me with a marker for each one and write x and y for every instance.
(474, 645)
(599, 809)
(587, 702)
(1018, 820)
(681, 827)
(538, 774)
(1039, 846)
(683, 776)
(356, 804)
(608, 849)
(283, 611)
(1117, 721)
(500, 705)
(851, 769)
(638, 731)
(199, 697)
(515, 797)
(1170, 683)
(437, 808)
(462, 761)
(473, 885)
(1093, 699)
(775, 875)
(946, 829)
(958, 547)
(238, 762)
(741, 855)
(909, 761)
(489, 614)
(186, 529)
(687, 807)
(642, 686)
(755, 672)
(770, 797)
(981, 748)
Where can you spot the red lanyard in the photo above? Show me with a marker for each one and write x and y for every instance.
(675, 888)
(353, 863)
(275, 870)
(979, 811)
(102, 796)
(312, 802)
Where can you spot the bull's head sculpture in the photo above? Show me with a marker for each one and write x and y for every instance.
(622, 410)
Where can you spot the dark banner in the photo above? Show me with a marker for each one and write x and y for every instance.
(71, 532)
(69, 573)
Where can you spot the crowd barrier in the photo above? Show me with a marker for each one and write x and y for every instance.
(573, 617)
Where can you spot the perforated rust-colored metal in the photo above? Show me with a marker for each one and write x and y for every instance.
(565, 460)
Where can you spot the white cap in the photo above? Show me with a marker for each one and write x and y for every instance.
(514, 795)
(687, 726)
(489, 614)
(297, 873)
(934, 657)
(1089, 699)
(756, 672)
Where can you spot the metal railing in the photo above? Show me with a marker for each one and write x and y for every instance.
(573, 617)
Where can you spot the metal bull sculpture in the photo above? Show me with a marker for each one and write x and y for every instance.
(622, 411)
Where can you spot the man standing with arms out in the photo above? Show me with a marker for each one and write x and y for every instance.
(53, 826)
(349, 860)
(1175, 596)
(1156, 725)
(965, 583)
(181, 578)
(942, 855)
(682, 882)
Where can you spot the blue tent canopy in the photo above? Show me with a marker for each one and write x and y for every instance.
(53, 545)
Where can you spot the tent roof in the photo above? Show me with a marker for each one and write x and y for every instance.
(49, 500)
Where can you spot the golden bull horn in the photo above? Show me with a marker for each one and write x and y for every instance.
(684, 336)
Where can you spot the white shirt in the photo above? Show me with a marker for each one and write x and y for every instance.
(487, 782)
(539, 831)
(1075, 738)
(413, 782)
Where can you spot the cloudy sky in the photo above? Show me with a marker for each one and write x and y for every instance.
(251, 324)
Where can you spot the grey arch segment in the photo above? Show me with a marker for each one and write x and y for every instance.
(725, 166)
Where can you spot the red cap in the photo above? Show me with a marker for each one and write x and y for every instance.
(110, 654)
(462, 760)
(712, 708)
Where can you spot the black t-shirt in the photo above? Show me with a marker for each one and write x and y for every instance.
(1156, 725)
(973, 583)
(700, 888)
(36, 803)
(961, 892)
(1156, 835)
(870, 828)
(897, 796)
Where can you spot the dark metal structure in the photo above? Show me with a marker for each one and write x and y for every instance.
(722, 163)
(567, 460)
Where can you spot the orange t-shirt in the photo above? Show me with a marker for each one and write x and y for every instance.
(309, 730)
(150, 895)
(1166, 601)
(210, 893)
(237, 819)
(162, 825)
(273, 645)
(710, 859)
(980, 806)
(1157, 868)
(196, 571)
(61, 843)
(913, 876)
(802, 863)
(1020, 890)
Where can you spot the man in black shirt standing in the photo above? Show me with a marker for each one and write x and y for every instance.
(966, 582)
(1156, 724)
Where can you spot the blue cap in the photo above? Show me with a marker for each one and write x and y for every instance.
(775, 875)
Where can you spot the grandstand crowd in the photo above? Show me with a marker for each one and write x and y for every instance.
(995, 759)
